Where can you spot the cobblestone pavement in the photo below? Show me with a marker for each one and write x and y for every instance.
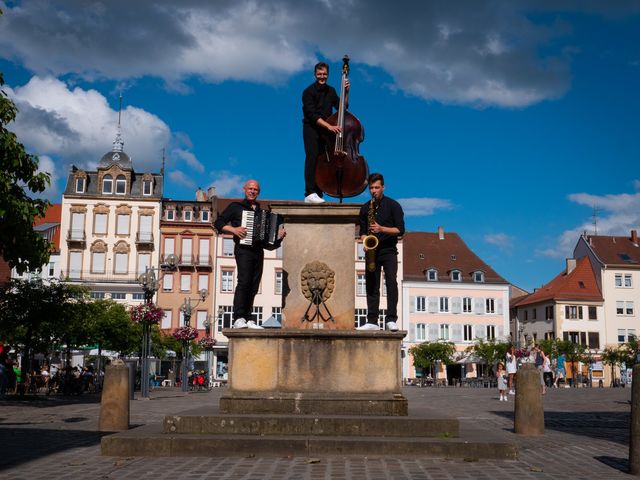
(587, 433)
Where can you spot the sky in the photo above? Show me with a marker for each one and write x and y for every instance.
(514, 123)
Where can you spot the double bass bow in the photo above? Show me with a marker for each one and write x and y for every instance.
(340, 170)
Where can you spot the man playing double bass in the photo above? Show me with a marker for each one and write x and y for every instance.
(386, 222)
(318, 102)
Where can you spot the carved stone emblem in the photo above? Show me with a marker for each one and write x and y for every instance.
(317, 276)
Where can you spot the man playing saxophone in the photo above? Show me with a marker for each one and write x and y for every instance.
(382, 218)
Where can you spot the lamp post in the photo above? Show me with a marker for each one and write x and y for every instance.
(150, 284)
(187, 309)
(207, 351)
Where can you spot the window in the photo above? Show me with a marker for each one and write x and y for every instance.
(432, 275)
(444, 331)
(52, 269)
(227, 247)
(490, 305)
(107, 184)
(256, 315)
(121, 185)
(97, 295)
(121, 264)
(631, 334)
(171, 214)
(456, 276)
(360, 317)
(203, 251)
(478, 277)
(276, 312)
(593, 313)
(421, 304)
(77, 226)
(444, 304)
(619, 308)
(137, 296)
(187, 215)
(526, 315)
(629, 310)
(622, 335)
(205, 215)
(548, 312)
(79, 185)
(166, 320)
(421, 332)
(75, 264)
(187, 249)
(144, 262)
(167, 282)
(490, 332)
(361, 285)
(572, 312)
(145, 228)
(360, 253)
(98, 262)
(185, 282)
(627, 280)
(467, 333)
(100, 223)
(278, 283)
(201, 317)
(122, 227)
(224, 320)
(203, 282)
(618, 279)
(227, 280)
(466, 305)
(534, 313)
(594, 340)
(118, 295)
(146, 187)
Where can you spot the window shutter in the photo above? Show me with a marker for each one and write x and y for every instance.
(412, 304)
(167, 282)
(480, 331)
(227, 247)
(185, 282)
(144, 261)
(98, 262)
(413, 334)
(146, 222)
(121, 262)
(456, 305)
(186, 247)
(203, 249)
(75, 264)
(478, 305)
(169, 244)
(77, 221)
(499, 306)
(456, 333)
(201, 316)
(101, 223)
(203, 282)
(500, 332)
(166, 320)
(433, 332)
(433, 305)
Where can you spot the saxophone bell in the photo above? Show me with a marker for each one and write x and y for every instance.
(370, 243)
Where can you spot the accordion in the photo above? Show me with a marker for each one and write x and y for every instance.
(262, 227)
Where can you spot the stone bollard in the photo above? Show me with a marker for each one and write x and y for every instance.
(529, 414)
(634, 437)
(114, 404)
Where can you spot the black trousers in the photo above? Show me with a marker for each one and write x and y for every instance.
(387, 260)
(249, 262)
(313, 145)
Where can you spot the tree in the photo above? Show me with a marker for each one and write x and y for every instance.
(573, 353)
(20, 245)
(427, 354)
(112, 329)
(491, 351)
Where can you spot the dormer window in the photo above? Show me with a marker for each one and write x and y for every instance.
(146, 187)
(170, 214)
(456, 276)
(121, 185)
(478, 277)
(80, 184)
(432, 275)
(107, 184)
(187, 215)
(205, 215)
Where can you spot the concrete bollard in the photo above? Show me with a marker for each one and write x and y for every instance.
(529, 414)
(114, 404)
(634, 434)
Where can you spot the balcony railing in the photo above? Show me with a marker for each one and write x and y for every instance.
(144, 237)
(204, 261)
(87, 276)
(186, 260)
(76, 235)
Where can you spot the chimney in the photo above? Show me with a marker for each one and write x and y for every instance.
(211, 192)
(441, 233)
(201, 196)
(571, 265)
(634, 237)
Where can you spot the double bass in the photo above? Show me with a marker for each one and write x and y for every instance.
(340, 170)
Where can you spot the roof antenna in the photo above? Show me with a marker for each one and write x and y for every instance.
(162, 169)
(596, 210)
(118, 143)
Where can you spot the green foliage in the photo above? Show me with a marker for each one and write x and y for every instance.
(491, 351)
(112, 329)
(20, 245)
(427, 354)
(549, 347)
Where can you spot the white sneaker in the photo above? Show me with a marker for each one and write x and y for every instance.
(254, 325)
(511, 392)
(313, 198)
(240, 323)
(369, 326)
(392, 326)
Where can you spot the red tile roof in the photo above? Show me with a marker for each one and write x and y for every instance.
(53, 215)
(618, 251)
(425, 250)
(579, 284)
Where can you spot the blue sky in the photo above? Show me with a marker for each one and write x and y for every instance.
(504, 121)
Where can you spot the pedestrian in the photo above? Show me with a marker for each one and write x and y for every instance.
(512, 368)
(502, 382)
(547, 372)
(539, 362)
(561, 372)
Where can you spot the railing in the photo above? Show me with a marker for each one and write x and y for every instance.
(87, 276)
(76, 235)
(186, 260)
(144, 237)
(204, 261)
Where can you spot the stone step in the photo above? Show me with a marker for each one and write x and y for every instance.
(149, 441)
(317, 425)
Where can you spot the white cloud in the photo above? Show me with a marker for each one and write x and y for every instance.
(189, 158)
(79, 126)
(454, 52)
(421, 207)
(182, 179)
(617, 214)
(500, 240)
(47, 165)
(227, 183)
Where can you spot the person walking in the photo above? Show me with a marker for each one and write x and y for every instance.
(502, 382)
(512, 368)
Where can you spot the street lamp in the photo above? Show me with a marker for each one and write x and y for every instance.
(150, 284)
(187, 308)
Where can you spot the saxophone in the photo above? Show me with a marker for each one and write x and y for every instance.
(370, 242)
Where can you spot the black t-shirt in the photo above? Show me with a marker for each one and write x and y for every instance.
(388, 214)
(318, 101)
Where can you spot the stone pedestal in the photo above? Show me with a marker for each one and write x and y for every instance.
(314, 372)
(324, 233)
(114, 404)
(634, 433)
(529, 412)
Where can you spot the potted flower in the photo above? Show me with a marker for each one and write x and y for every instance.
(207, 342)
(146, 313)
(185, 333)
